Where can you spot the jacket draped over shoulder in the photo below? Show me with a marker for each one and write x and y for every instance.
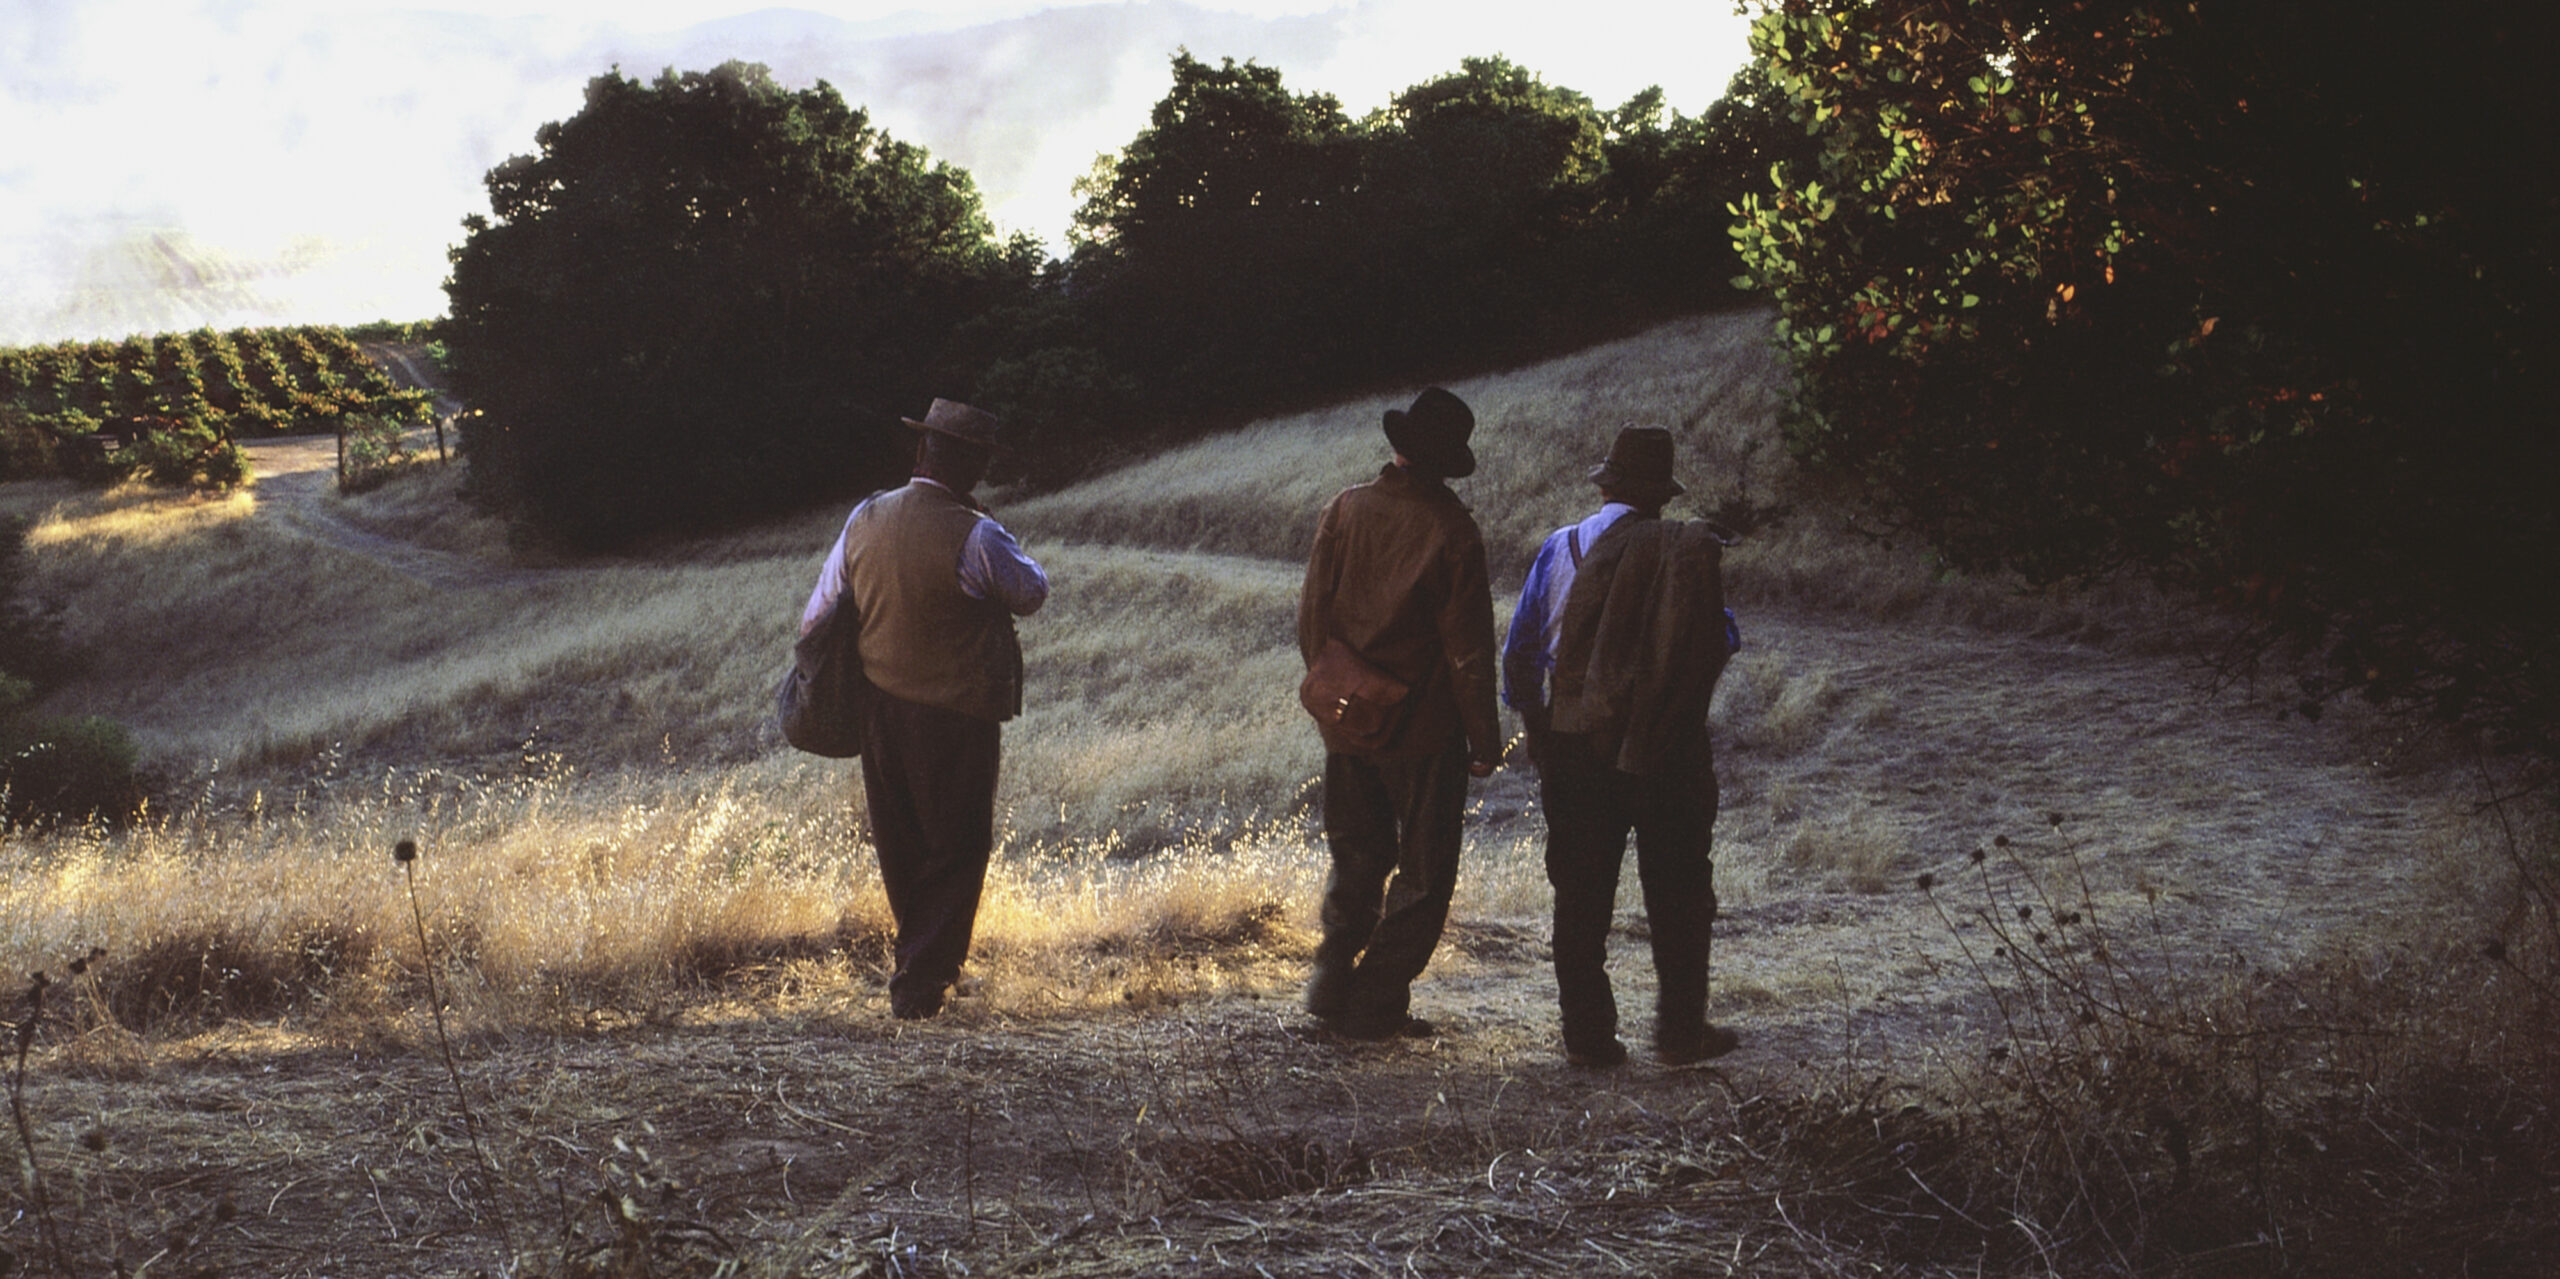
(1643, 641)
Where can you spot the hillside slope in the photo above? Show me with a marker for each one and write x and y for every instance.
(664, 927)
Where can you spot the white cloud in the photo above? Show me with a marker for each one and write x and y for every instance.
(312, 159)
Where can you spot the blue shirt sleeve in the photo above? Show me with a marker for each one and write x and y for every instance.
(1525, 659)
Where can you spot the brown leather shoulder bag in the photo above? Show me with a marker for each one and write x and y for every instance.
(1354, 703)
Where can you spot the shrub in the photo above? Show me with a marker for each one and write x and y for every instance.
(184, 452)
(2265, 318)
(375, 451)
(68, 767)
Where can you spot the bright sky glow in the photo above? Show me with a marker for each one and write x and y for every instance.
(169, 163)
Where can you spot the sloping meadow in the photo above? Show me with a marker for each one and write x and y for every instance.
(555, 735)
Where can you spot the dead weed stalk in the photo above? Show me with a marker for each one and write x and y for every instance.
(405, 853)
(2131, 1118)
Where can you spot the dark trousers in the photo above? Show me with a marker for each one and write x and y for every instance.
(1393, 827)
(929, 776)
(1591, 807)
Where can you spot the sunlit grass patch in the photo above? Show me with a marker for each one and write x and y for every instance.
(1858, 850)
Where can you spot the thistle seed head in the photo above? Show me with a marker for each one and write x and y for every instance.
(405, 852)
(1927, 881)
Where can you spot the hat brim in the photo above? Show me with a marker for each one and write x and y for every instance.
(992, 446)
(1607, 476)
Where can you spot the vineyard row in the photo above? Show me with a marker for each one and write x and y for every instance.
(240, 384)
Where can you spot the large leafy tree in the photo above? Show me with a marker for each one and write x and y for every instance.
(706, 298)
(1213, 244)
(1254, 246)
(2251, 294)
(1484, 194)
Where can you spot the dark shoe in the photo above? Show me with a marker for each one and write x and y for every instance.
(1328, 993)
(1602, 1056)
(1688, 1050)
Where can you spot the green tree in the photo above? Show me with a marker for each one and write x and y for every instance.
(1481, 200)
(707, 298)
(2252, 295)
(1254, 247)
(1213, 244)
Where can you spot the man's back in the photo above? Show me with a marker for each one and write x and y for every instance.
(1398, 574)
(923, 637)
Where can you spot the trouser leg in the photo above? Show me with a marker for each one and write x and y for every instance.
(1586, 843)
(929, 777)
(1360, 836)
(1393, 828)
(1430, 800)
(1675, 832)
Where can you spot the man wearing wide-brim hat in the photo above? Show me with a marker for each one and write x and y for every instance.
(1396, 584)
(1612, 660)
(935, 583)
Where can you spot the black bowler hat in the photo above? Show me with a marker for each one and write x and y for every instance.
(1433, 433)
(1639, 462)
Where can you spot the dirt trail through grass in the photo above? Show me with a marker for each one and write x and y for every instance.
(296, 479)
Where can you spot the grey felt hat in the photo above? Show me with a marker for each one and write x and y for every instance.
(1639, 461)
(953, 418)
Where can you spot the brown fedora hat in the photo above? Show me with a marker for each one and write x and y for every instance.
(1433, 433)
(1639, 461)
(953, 418)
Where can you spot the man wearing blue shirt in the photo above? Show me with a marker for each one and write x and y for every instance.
(1611, 660)
(936, 583)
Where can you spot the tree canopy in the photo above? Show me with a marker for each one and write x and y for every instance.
(1254, 246)
(709, 297)
(2253, 295)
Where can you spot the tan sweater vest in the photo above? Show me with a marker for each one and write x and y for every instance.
(923, 638)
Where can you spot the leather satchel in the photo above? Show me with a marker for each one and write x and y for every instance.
(1354, 703)
(825, 696)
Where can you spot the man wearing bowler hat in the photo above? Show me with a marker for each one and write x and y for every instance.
(936, 584)
(1611, 660)
(1398, 577)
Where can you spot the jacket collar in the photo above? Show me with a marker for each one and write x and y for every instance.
(1396, 479)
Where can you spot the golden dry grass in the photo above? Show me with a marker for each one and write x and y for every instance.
(613, 715)
(616, 843)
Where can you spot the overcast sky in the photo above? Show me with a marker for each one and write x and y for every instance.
(170, 163)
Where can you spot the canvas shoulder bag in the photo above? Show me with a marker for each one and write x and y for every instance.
(824, 695)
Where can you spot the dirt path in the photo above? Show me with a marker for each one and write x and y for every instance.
(295, 482)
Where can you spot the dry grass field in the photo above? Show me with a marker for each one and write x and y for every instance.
(2053, 950)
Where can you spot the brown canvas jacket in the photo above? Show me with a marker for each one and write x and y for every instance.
(1398, 573)
(1643, 640)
